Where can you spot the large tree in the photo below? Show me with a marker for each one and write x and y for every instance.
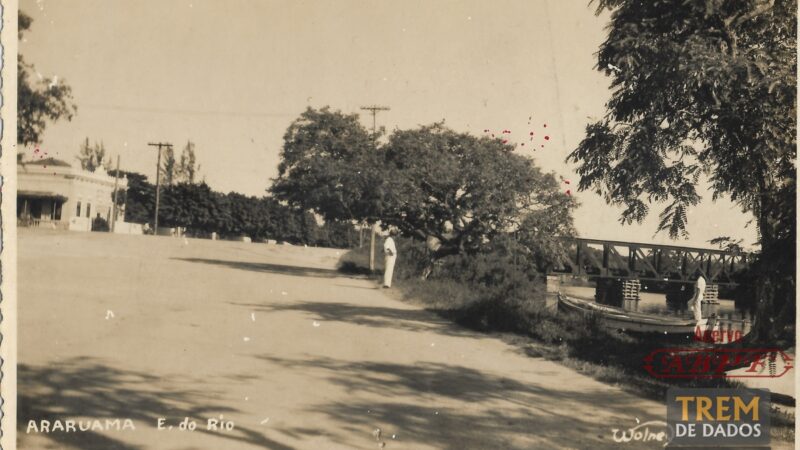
(242, 215)
(703, 89)
(39, 99)
(462, 190)
(543, 232)
(194, 206)
(329, 165)
(139, 199)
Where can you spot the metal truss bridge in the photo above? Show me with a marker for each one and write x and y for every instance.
(595, 258)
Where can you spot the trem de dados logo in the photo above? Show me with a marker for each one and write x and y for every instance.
(718, 417)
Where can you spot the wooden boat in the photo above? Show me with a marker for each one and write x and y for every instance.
(618, 319)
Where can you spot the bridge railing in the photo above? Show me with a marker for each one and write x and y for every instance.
(671, 263)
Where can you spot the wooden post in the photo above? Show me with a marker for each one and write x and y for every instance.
(114, 206)
(158, 183)
(372, 248)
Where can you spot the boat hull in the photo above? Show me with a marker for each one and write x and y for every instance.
(619, 319)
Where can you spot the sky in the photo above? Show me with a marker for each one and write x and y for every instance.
(232, 75)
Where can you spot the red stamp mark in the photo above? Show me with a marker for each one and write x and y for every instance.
(717, 336)
(714, 363)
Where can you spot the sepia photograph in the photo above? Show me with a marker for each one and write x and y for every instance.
(373, 224)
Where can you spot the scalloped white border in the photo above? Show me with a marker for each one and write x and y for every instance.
(8, 226)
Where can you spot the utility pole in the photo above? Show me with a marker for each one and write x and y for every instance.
(114, 206)
(158, 181)
(374, 110)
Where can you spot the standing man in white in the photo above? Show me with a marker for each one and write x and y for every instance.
(704, 325)
(390, 252)
(696, 303)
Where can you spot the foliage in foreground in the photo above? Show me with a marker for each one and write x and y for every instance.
(704, 90)
(39, 99)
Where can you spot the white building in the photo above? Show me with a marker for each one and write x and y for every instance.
(51, 193)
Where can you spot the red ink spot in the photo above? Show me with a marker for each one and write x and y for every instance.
(505, 141)
(542, 145)
(568, 192)
(531, 133)
(523, 144)
(545, 125)
(566, 181)
(547, 138)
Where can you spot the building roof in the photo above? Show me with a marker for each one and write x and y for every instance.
(46, 162)
(33, 171)
(40, 194)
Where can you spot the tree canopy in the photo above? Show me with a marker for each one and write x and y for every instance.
(461, 189)
(39, 99)
(169, 167)
(202, 211)
(187, 168)
(329, 165)
(139, 199)
(701, 89)
(432, 183)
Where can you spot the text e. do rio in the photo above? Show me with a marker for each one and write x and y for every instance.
(187, 424)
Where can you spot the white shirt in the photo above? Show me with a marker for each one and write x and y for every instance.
(388, 247)
(697, 300)
(700, 286)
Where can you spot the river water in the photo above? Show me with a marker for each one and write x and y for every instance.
(654, 303)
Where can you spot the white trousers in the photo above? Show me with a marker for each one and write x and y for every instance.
(388, 271)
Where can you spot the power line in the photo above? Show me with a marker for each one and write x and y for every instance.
(125, 108)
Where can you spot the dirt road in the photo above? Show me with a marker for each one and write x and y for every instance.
(273, 339)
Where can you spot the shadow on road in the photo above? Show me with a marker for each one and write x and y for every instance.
(81, 388)
(282, 269)
(414, 404)
(414, 320)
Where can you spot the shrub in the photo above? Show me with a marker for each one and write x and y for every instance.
(100, 224)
